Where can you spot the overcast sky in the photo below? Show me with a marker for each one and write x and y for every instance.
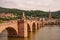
(44, 5)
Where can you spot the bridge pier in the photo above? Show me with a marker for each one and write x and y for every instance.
(36, 27)
(31, 28)
(22, 29)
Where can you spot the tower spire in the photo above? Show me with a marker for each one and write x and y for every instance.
(50, 16)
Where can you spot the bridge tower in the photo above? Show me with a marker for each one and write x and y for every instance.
(50, 15)
(22, 27)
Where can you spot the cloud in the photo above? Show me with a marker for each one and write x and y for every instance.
(31, 4)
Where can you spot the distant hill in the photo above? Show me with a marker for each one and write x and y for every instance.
(34, 13)
(56, 14)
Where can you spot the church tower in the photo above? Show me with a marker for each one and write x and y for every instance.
(50, 15)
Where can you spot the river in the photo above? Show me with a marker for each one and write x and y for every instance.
(49, 32)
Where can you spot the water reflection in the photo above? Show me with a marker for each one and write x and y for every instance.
(3, 35)
(49, 32)
(30, 37)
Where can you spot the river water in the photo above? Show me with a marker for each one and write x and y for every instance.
(49, 32)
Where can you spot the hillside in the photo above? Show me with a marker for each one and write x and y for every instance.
(34, 13)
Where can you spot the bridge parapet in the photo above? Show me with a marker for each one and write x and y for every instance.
(8, 23)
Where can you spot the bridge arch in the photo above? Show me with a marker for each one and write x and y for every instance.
(11, 32)
(37, 25)
(28, 27)
(33, 26)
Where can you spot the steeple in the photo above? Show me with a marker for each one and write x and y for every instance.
(23, 16)
(50, 16)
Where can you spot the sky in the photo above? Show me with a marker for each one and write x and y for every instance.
(44, 5)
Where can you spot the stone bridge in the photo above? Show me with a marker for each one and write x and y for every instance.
(19, 28)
